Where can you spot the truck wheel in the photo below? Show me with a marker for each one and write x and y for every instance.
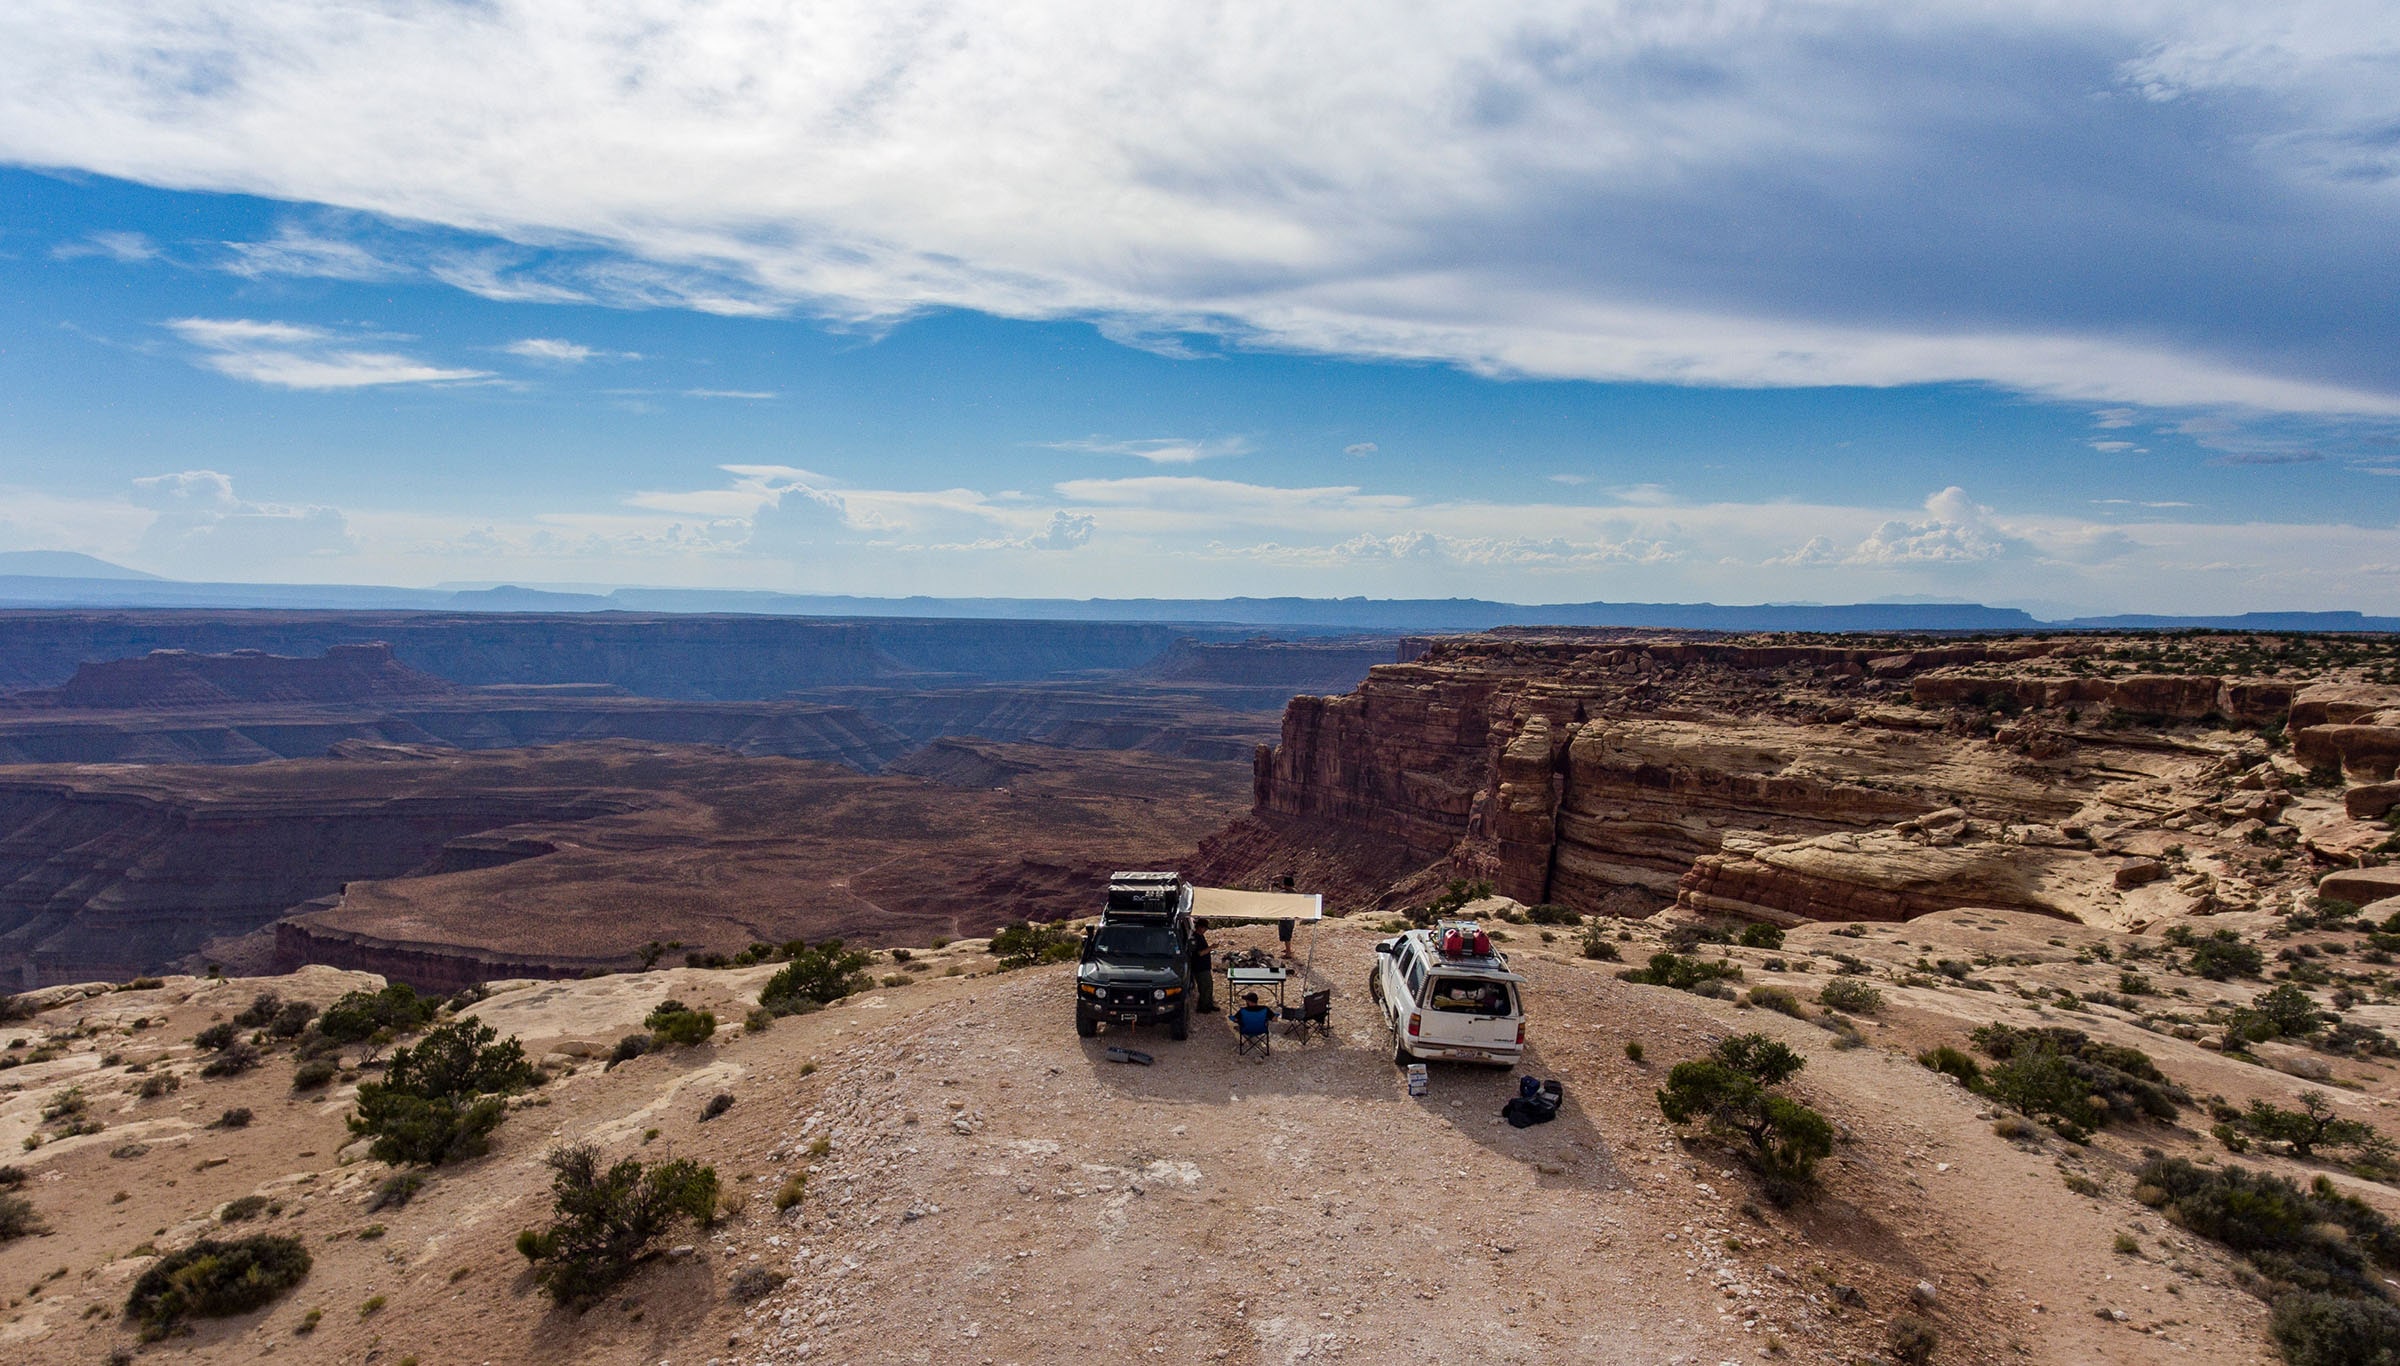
(1401, 1057)
(1180, 1028)
(1375, 985)
(1086, 1027)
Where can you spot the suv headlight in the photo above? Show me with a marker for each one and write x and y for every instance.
(1159, 995)
(1100, 993)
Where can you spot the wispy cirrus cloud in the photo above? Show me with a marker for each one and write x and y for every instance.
(1169, 450)
(129, 248)
(556, 351)
(292, 356)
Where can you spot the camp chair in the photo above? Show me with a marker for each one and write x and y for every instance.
(1250, 1032)
(1314, 1015)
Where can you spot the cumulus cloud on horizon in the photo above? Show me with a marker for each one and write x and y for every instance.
(1845, 192)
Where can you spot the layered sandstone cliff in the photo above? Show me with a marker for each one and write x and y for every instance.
(1827, 779)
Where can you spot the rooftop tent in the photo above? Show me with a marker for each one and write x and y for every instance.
(1225, 903)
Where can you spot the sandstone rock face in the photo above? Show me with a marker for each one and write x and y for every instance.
(1775, 780)
(2369, 753)
(2362, 886)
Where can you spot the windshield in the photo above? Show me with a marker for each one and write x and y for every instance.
(1134, 941)
(1469, 995)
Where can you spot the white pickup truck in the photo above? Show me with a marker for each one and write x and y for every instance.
(1459, 1004)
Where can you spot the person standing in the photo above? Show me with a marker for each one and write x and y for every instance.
(1204, 969)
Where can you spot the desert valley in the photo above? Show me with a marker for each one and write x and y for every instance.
(2058, 928)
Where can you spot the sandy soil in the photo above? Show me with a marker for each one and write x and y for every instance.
(994, 1190)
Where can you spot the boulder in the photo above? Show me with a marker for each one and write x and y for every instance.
(2138, 873)
(2366, 752)
(2372, 801)
(2361, 886)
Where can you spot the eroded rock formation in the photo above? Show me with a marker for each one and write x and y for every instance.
(1828, 779)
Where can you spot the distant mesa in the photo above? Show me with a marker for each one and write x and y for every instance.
(65, 564)
(180, 679)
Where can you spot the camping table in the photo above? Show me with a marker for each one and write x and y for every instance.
(1239, 980)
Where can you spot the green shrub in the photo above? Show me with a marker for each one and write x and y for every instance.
(2222, 956)
(2332, 1330)
(792, 1191)
(607, 1222)
(245, 1207)
(2314, 1125)
(1912, 1339)
(628, 1048)
(314, 1074)
(237, 1117)
(355, 1017)
(1760, 935)
(1547, 914)
(1454, 898)
(758, 1021)
(2284, 1011)
(1597, 945)
(1022, 944)
(212, 1279)
(1950, 1062)
(232, 1060)
(1778, 1000)
(2316, 1240)
(1843, 993)
(1633, 1050)
(260, 1012)
(677, 1025)
(1731, 1091)
(440, 1101)
(11, 1176)
(717, 1104)
(1683, 974)
(819, 974)
(217, 1036)
(395, 1191)
(291, 1019)
(2076, 1083)
(17, 1219)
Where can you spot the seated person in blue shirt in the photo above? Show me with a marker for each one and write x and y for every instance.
(1252, 1018)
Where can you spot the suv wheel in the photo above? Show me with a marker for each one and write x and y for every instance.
(1180, 1028)
(1375, 984)
(1401, 1057)
(1085, 1026)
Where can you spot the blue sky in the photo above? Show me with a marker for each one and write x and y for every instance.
(1543, 303)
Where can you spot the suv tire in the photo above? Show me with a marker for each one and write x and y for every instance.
(1085, 1026)
(1180, 1028)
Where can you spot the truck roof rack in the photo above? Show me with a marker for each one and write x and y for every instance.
(1144, 895)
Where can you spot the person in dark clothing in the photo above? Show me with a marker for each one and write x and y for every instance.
(1204, 970)
(1283, 931)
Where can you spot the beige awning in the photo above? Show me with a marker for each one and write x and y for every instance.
(1225, 903)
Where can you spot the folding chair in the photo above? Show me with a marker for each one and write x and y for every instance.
(1250, 1025)
(1314, 1015)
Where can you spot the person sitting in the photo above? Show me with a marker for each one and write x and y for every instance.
(1250, 1023)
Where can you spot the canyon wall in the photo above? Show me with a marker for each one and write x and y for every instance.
(1772, 780)
(111, 876)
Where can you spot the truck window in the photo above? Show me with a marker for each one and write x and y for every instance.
(1471, 995)
(1134, 941)
(1416, 976)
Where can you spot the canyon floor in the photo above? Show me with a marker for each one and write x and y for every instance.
(993, 1189)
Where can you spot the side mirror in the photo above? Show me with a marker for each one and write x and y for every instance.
(1383, 946)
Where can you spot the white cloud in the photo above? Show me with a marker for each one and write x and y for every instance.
(556, 351)
(1165, 450)
(1711, 195)
(315, 255)
(129, 248)
(749, 395)
(1570, 480)
(289, 356)
(1361, 448)
(2110, 447)
(202, 528)
(2114, 417)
